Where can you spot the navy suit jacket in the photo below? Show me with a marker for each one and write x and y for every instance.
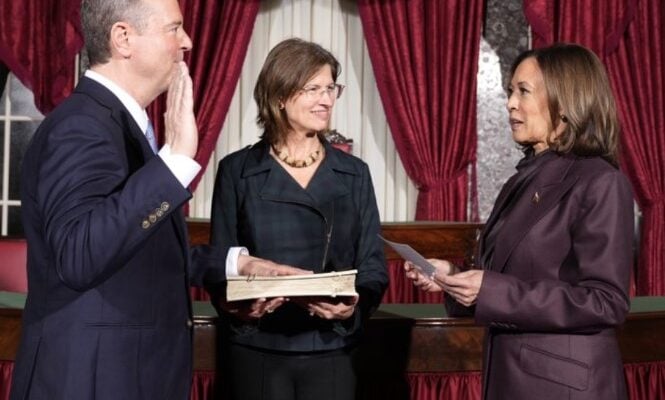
(108, 314)
(558, 284)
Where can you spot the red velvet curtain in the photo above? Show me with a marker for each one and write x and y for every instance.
(598, 25)
(220, 31)
(637, 72)
(425, 59)
(39, 40)
(645, 381)
(6, 369)
(628, 36)
(198, 294)
(203, 386)
(458, 386)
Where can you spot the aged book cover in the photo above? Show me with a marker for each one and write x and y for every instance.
(342, 283)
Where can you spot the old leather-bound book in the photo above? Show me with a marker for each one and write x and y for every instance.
(341, 283)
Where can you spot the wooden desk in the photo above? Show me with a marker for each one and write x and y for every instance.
(420, 338)
(447, 240)
(410, 350)
(400, 337)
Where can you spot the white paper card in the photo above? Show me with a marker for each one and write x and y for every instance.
(409, 254)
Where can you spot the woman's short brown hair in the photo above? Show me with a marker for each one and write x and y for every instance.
(288, 67)
(579, 94)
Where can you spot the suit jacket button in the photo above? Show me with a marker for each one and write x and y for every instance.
(152, 218)
(165, 206)
(190, 323)
(159, 213)
(145, 224)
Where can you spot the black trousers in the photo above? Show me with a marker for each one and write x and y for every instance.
(254, 374)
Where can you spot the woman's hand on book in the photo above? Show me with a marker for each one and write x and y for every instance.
(252, 309)
(329, 307)
(248, 265)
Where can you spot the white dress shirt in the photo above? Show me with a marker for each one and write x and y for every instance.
(182, 167)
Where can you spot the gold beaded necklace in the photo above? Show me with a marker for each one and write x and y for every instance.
(285, 157)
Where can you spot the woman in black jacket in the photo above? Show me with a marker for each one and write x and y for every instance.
(293, 199)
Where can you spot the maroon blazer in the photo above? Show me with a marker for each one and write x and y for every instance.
(558, 285)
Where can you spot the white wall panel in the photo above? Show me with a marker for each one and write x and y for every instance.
(358, 114)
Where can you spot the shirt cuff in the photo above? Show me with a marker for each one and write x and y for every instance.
(183, 167)
(232, 259)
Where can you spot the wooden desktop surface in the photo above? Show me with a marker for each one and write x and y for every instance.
(399, 337)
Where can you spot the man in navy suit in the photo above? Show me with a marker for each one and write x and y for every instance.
(108, 314)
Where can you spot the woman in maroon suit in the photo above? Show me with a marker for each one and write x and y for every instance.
(556, 251)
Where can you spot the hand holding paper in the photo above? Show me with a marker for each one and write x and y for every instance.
(412, 256)
(426, 274)
(463, 287)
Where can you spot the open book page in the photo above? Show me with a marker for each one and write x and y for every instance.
(342, 283)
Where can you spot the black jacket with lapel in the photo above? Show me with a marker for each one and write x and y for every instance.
(331, 225)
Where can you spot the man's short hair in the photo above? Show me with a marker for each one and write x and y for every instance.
(97, 18)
